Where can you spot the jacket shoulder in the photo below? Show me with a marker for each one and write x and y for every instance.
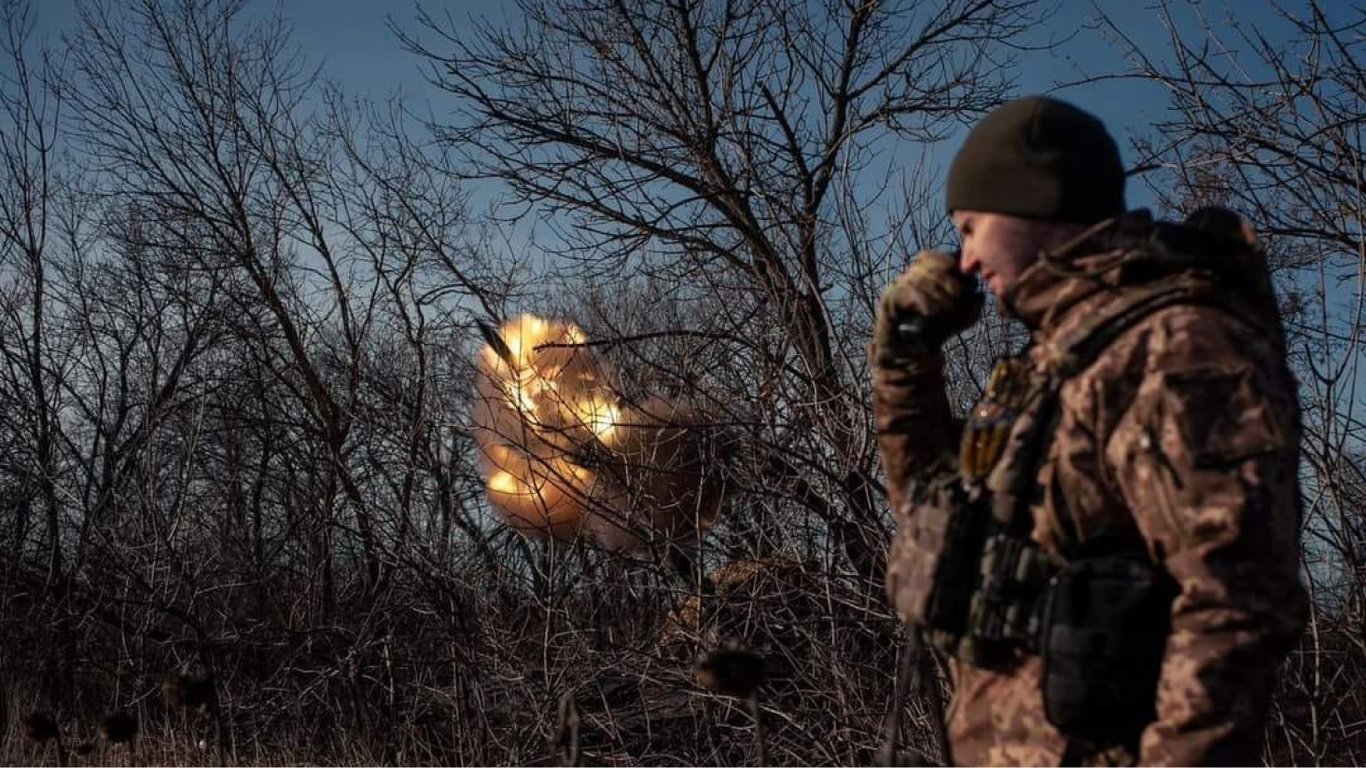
(1189, 336)
(1178, 362)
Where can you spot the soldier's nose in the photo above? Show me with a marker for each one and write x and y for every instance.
(968, 264)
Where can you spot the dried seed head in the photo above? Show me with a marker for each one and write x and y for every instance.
(40, 726)
(731, 670)
(119, 727)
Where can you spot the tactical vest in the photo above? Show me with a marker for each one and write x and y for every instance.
(974, 583)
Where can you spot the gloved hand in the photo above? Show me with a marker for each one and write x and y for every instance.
(923, 307)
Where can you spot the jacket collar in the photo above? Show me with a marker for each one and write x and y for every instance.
(1076, 276)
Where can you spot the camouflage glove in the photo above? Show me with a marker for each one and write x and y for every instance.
(923, 307)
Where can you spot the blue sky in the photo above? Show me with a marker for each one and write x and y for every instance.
(355, 47)
(352, 41)
(349, 37)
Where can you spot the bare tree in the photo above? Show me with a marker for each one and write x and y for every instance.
(725, 148)
(27, 224)
(234, 362)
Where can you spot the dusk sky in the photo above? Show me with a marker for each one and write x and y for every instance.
(353, 42)
(355, 46)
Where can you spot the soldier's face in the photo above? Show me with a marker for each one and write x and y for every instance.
(999, 247)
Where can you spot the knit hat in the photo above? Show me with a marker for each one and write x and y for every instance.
(1040, 158)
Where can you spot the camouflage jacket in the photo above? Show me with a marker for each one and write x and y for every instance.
(1182, 435)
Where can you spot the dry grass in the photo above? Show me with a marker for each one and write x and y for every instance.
(495, 680)
(415, 687)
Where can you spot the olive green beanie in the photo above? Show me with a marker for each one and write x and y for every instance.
(1040, 158)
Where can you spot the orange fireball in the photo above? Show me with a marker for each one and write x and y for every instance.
(562, 454)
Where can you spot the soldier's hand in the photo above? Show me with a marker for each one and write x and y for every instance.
(926, 305)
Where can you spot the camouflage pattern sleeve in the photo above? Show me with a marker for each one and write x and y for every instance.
(914, 424)
(1206, 458)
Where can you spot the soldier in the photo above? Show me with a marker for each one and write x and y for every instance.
(1107, 549)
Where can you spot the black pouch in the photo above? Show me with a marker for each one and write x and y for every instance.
(1103, 636)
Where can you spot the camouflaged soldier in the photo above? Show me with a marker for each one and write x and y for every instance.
(1107, 548)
